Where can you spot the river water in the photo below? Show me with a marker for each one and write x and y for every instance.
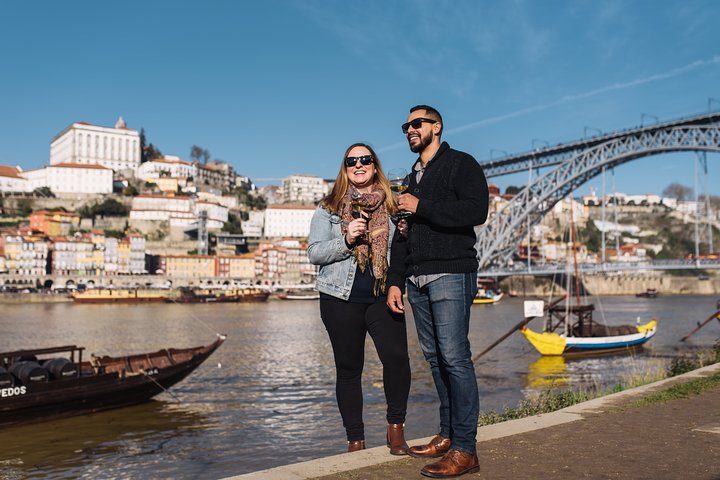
(266, 397)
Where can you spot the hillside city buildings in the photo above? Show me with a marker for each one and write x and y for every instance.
(166, 197)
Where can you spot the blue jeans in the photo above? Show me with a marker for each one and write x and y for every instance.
(442, 318)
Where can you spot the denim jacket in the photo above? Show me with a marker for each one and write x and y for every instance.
(327, 248)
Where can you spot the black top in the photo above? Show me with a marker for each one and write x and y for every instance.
(362, 288)
(453, 198)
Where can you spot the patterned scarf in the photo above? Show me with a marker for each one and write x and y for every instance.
(373, 247)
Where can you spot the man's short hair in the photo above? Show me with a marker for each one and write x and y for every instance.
(430, 112)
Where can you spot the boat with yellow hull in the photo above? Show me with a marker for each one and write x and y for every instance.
(120, 295)
(550, 343)
(488, 299)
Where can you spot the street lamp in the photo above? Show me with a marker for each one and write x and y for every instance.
(710, 100)
(592, 129)
(497, 150)
(540, 141)
(643, 115)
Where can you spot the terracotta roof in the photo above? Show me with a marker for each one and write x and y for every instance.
(290, 206)
(80, 165)
(6, 171)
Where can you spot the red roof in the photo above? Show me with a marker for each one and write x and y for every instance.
(80, 165)
(6, 171)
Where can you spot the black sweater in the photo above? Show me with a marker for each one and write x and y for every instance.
(453, 198)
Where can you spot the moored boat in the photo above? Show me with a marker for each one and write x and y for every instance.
(40, 387)
(649, 293)
(235, 295)
(299, 295)
(120, 295)
(487, 298)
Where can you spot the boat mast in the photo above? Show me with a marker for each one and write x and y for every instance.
(572, 240)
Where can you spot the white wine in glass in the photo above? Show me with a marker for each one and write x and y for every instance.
(399, 180)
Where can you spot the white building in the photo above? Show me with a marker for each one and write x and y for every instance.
(116, 148)
(11, 180)
(287, 220)
(253, 227)
(167, 166)
(178, 211)
(71, 178)
(303, 189)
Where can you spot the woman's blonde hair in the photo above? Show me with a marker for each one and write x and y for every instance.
(333, 202)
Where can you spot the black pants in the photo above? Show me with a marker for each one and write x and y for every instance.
(347, 324)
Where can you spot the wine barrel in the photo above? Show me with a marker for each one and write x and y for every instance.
(6, 379)
(29, 372)
(60, 368)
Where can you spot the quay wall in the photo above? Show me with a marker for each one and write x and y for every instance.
(618, 285)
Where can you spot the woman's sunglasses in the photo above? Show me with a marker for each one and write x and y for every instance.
(416, 124)
(365, 160)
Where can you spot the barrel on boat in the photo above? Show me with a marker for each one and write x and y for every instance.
(60, 368)
(29, 372)
(6, 379)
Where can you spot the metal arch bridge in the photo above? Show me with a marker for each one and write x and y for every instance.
(576, 163)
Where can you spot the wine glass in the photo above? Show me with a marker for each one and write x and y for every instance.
(399, 180)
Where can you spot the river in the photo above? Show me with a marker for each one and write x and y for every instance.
(266, 397)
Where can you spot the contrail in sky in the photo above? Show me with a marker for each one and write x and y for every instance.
(571, 98)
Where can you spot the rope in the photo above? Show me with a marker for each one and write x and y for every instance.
(158, 384)
(195, 317)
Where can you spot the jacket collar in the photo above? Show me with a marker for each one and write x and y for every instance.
(444, 147)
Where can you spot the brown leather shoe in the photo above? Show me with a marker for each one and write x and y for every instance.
(453, 464)
(356, 445)
(396, 439)
(437, 447)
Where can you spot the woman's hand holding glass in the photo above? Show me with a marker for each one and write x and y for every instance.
(356, 229)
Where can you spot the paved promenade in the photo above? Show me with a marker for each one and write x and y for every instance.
(605, 438)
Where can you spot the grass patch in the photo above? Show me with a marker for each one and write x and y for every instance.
(682, 390)
(554, 400)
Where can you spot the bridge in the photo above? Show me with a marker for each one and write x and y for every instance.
(570, 166)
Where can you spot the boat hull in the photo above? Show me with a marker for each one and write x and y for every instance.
(94, 392)
(548, 343)
(488, 300)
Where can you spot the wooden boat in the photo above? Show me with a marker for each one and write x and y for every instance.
(237, 295)
(487, 298)
(47, 388)
(299, 295)
(580, 334)
(649, 293)
(120, 295)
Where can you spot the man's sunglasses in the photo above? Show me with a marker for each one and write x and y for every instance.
(365, 160)
(416, 123)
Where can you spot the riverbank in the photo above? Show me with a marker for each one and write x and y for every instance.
(21, 298)
(666, 429)
(607, 285)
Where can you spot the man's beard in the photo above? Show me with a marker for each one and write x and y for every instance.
(425, 140)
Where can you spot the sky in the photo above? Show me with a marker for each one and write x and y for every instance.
(282, 87)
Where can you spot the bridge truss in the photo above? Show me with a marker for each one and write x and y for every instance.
(501, 236)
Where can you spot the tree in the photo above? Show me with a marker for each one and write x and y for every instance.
(24, 207)
(130, 191)
(233, 225)
(44, 192)
(679, 191)
(512, 190)
(148, 151)
(199, 154)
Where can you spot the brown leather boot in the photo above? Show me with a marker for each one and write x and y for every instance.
(437, 447)
(453, 464)
(396, 439)
(356, 445)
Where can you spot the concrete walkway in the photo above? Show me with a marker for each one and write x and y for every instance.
(595, 439)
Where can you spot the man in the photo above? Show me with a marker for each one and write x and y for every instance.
(448, 196)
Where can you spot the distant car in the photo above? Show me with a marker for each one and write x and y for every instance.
(704, 277)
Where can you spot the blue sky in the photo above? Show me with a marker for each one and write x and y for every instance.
(282, 87)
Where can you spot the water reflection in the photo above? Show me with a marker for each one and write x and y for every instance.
(548, 372)
(273, 400)
(138, 434)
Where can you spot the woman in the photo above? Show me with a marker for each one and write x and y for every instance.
(349, 238)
